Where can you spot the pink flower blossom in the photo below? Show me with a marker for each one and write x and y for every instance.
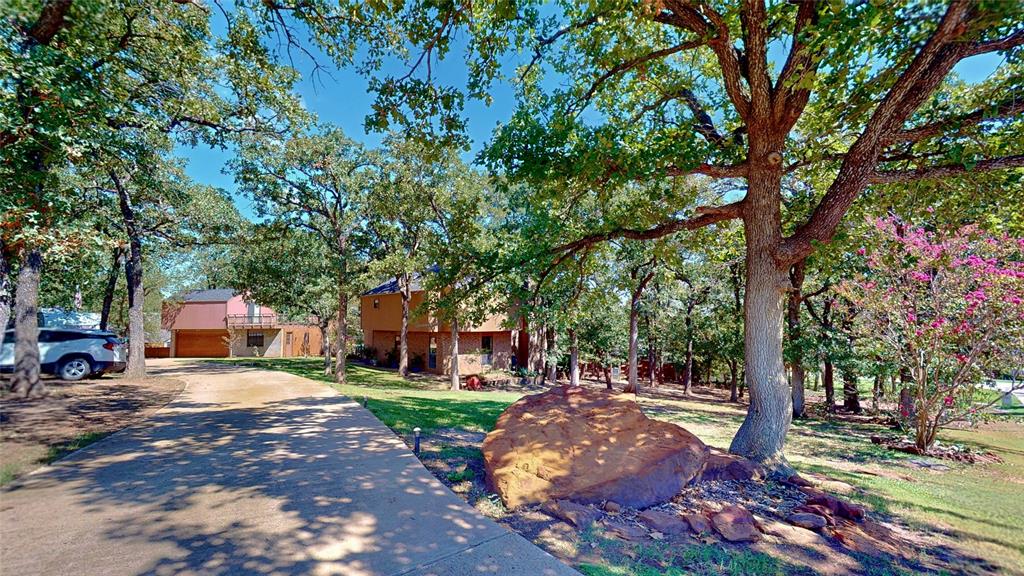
(948, 400)
(861, 251)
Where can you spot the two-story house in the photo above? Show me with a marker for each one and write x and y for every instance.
(219, 323)
(490, 345)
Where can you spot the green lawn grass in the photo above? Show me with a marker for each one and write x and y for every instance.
(980, 508)
(400, 404)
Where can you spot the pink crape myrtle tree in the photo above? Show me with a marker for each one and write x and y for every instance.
(948, 306)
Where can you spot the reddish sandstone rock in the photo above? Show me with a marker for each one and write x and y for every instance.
(724, 466)
(807, 520)
(664, 522)
(838, 507)
(736, 524)
(698, 523)
(578, 515)
(587, 445)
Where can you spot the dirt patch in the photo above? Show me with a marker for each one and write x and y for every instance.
(36, 431)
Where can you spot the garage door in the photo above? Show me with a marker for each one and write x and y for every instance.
(201, 344)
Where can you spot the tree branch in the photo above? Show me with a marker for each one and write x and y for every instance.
(942, 171)
(629, 65)
(51, 21)
(685, 14)
(1011, 41)
(705, 216)
(790, 100)
(1003, 110)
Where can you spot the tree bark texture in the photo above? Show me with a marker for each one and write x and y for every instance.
(136, 317)
(763, 433)
(25, 379)
(632, 381)
(133, 282)
(828, 380)
(851, 396)
(403, 339)
(111, 287)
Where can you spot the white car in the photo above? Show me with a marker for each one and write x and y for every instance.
(71, 353)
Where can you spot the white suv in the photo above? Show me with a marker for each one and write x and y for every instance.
(71, 353)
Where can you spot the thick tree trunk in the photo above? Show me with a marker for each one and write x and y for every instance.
(108, 292)
(762, 435)
(25, 379)
(403, 340)
(453, 362)
(851, 397)
(574, 359)
(688, 363)
(133, 277)
(607, 377)
(632, 381)
(136, 316)
(828, 379)
(535, 338)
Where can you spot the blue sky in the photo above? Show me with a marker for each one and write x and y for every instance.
(341, 97)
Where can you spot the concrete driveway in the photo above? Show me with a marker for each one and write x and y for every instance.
(251, 472)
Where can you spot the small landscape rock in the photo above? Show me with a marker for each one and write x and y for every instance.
(807, 520)
(736, 524)
(724, 466)
(664, 522)
(625, 531)
(838, 507)
(699, 523)
(798, 480)
(578, 515)
(817, 510)
(612, 507)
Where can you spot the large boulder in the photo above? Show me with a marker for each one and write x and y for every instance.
(589, 446)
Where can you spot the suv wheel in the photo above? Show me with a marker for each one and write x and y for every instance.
(74, 369)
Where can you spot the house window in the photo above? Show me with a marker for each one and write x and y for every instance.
(254, 338)
(376, 302)
(485, 347)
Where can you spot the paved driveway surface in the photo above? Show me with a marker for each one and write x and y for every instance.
(251, 472)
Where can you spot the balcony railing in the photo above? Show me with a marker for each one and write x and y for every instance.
(252, 320)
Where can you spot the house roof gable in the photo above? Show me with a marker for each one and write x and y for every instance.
(213, 295)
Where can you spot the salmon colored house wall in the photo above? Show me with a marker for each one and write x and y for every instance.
(382, 324)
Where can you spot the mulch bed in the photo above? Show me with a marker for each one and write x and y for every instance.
(951, 452)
